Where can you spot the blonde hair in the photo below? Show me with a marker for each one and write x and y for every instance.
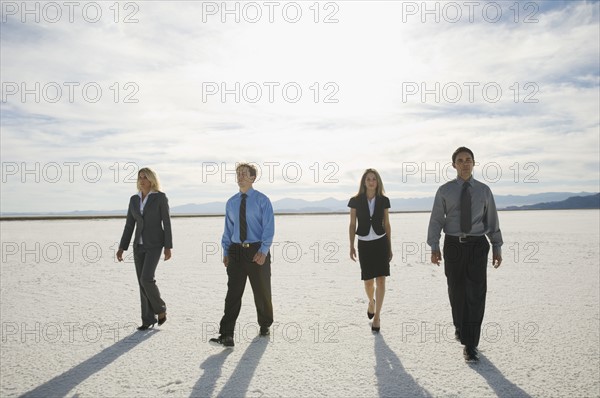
(151, 176)
(362, 189)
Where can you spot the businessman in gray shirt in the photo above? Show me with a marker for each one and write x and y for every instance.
(465, 210)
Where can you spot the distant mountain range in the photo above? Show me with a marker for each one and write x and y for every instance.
(574, 202)
(548, 200)
(332, 205)
(418, 204)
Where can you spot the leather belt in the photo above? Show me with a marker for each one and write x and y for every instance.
(465, 239)
(248, 245)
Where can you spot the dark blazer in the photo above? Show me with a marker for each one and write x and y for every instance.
(154, 226)
(365, 221)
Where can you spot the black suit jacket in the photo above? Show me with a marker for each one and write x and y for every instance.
(365, 221)
(154, 226)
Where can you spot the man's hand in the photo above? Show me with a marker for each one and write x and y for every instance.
(167, 254)
(120, 255)
(496, 260)
(436, 257)
(353, 253)
(259, 258)
(225, 261)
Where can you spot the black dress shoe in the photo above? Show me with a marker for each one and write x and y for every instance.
(162, 319)
(264, 331)
(145, 327)
(370, 315)
(470, 354)
(222, 341)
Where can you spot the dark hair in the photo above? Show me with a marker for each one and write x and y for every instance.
(459, 150)
(250, 167)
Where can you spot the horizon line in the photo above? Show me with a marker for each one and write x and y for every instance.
(200, 215)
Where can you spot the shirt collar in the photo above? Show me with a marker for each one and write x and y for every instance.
(149, 193)
(460, 181)
(248, 193)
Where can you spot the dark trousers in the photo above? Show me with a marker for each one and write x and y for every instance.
(240, 268)
(146, 260)
(466, 272)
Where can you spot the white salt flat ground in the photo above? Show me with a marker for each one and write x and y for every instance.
(68, 316)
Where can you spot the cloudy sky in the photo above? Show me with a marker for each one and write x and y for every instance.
(311, 92)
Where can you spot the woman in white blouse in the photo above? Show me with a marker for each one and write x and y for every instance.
(370, 208)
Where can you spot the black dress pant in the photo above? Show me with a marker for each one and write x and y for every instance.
(240, 268)
(466, 272)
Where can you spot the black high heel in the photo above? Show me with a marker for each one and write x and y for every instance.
(370, 315)
(375, 328)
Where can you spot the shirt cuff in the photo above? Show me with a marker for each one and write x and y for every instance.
(264, 249)
(497, 250)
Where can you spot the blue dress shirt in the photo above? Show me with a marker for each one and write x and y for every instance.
(259, 217)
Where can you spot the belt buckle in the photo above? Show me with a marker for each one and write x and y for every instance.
(463, 239)
(245, 245)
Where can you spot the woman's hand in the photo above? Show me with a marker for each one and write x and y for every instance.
(353, 253)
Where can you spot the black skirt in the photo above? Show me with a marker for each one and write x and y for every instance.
(374, 258)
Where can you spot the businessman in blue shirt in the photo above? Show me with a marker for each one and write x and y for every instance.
(248, 235)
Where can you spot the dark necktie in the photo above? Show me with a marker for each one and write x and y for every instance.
(243, 223)
(465, 209)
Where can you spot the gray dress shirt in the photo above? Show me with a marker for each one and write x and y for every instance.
(445, 214)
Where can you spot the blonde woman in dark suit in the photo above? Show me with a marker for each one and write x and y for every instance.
(370, 208)
(148, 212)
